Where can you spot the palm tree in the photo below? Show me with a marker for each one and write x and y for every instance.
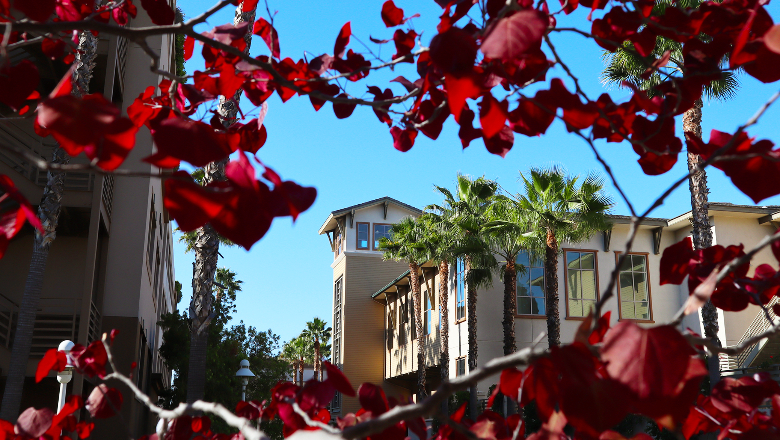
(406, 244)
(49, 214)
(207, 245)
(625, 65)
(302, 350)
(466, 215)
(561, 211)
(288, 354)
(316, 331)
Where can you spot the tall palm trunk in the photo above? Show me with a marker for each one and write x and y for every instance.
(510, 307)
(417, 297)
(471, 312)
(49, 214)
(317, 360)
(444, 355)
(551, 289)
(702, 232)
(300, 371)
(207, 250)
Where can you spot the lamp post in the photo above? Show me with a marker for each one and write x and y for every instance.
(244, 373)
(64, 376)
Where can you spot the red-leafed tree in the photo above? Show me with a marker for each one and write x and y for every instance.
(476, 67)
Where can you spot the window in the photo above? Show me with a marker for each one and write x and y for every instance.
(362, 235)
(530, 286)
(428, 313)
(337, 288)
(633, 288)
(460, 294)
(460, 366)
(336, 243)
(581, 284)
(381, 230)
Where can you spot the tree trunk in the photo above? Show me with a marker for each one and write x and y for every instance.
(551, 290)
(300, 372)
(444, 356)
(317, 362)
(702, 231)
(198, 349)
(471, 312)
(49, 214)
(417, 297)
(510, 308)
(207, 242)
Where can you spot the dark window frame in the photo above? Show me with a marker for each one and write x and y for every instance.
(566, 277)
(647, 283)
(368, 236)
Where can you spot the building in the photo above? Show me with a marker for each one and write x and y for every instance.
(111, 265)
(373, 326)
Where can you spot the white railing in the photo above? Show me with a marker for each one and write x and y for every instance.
(759, 325)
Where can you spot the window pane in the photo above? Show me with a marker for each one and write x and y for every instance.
(537, 282)
(588, 283)
(574, 284)
(523, 291)
(626, 263)
(638, 263)
(588, 307)
(627, 310)
(572, 260)
(523, 306)
(640, 287)
(575, 308)
(522, 258)
(626, 287)
(642, 310)
(587, 260)
(538, 306)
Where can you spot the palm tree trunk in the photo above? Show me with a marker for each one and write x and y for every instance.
(444, 356)
(510, 307)
(207, 244)
(49, 214)
(417, 296)
(317, 362)
(551, 290)
(702, 231)
(300, 372)
(471, 312)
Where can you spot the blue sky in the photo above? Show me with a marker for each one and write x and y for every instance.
(287, 275)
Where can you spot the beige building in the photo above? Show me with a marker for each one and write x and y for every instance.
(375, 324)
(111, 265)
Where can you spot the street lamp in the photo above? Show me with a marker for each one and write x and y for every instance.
(64, 376)
(244, 373)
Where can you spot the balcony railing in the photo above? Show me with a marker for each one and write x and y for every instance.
(759, 325)
(52, 325)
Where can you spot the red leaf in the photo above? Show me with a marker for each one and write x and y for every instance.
(403, 138)
(288, 197)
(343, 110)
(342, 40)
(602, 325)
(90, 360)
(661, 146)
(84, 429)
(338, 380)
(159, 11)
(190, 204)
(192, 141)
(54, 49)
(744, 394)
(514, 35)
(121, 13)
(501, 143)
(34, 422)
(189, 46)
(454, 51)
(267, 32)
(459, 89)
(404, 43)
(530, 119)
(247, 410)
(511, 382)
(37, 10)
(201, 424)
(675, 261)
(392, 15)
(17, 83)
(372, 398)
(53, 360)
(109, 137)
(103, 402)
(492, 115)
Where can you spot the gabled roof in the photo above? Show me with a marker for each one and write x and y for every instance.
(330, 222)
